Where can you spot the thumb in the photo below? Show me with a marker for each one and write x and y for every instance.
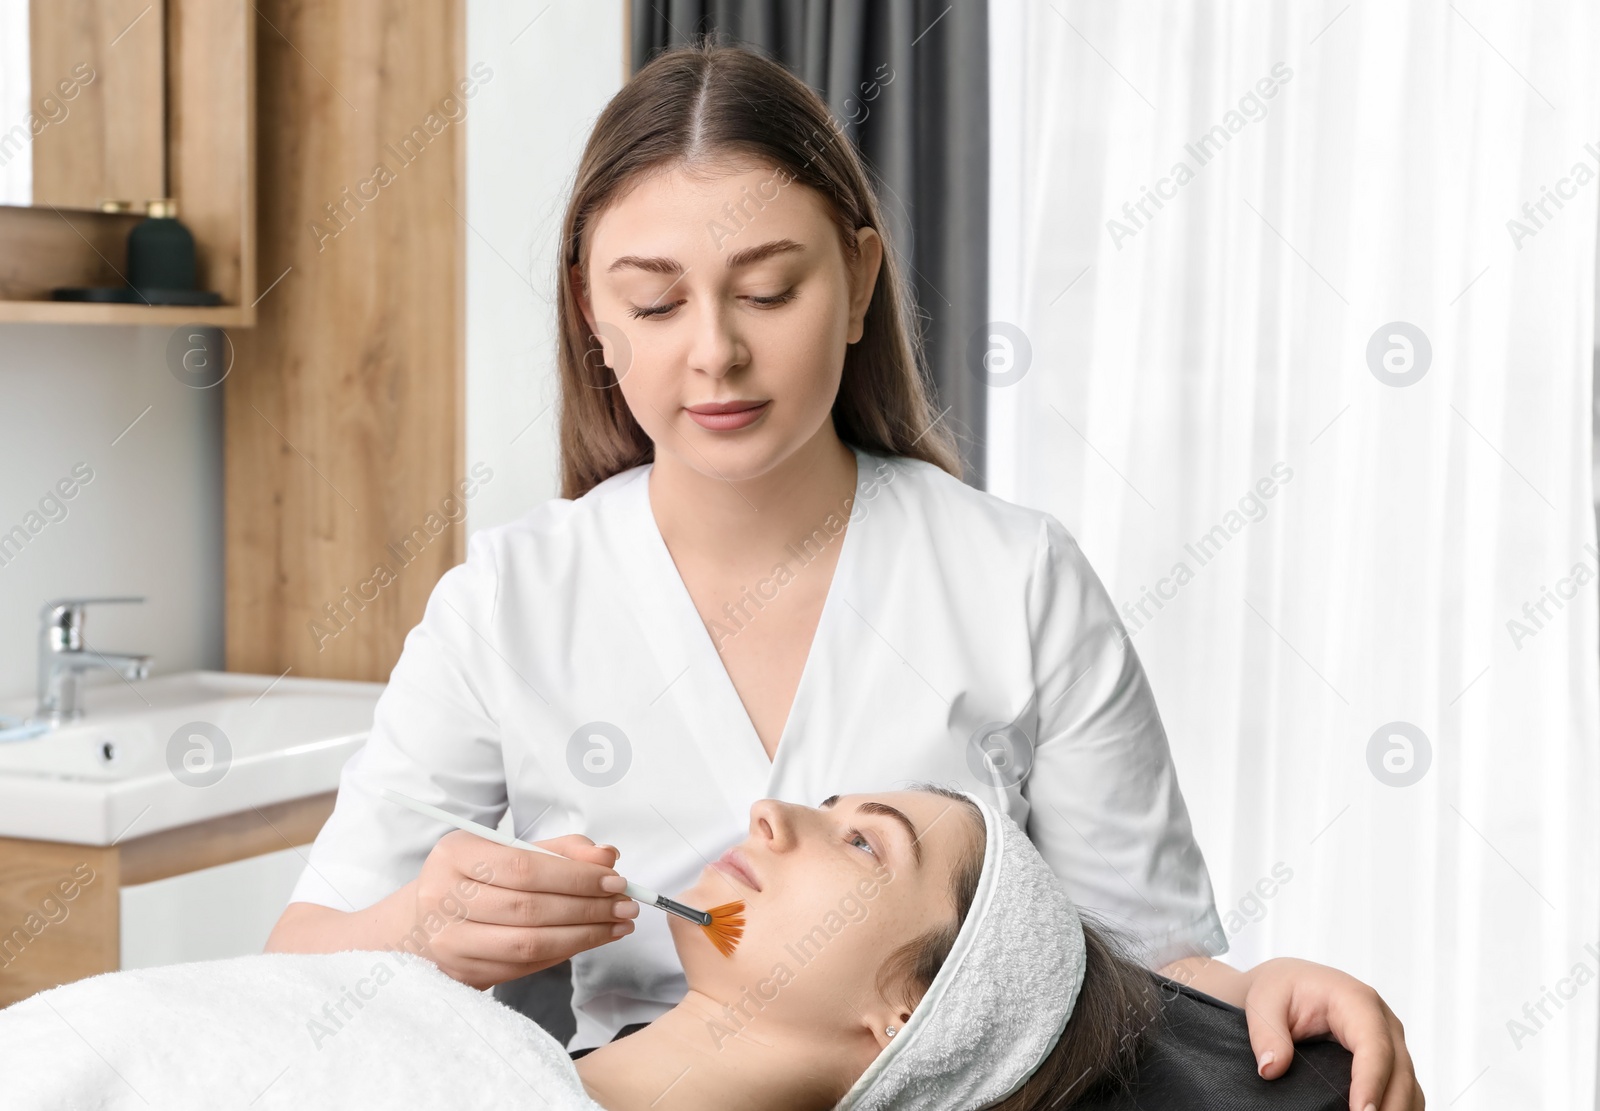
(576, 846)
(1267, 1014)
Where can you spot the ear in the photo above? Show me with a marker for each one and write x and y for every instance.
(863, 279)
(878, 1018)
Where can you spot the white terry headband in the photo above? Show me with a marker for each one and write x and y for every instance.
(1003, 996)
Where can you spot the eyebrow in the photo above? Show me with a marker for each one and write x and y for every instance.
(887, 811)
(657, 264)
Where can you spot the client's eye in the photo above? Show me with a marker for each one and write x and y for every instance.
(856, 835)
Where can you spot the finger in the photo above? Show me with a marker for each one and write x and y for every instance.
(533, 945)
(465, 846)
(604, 856)
(509, 906)
(1403, 1092)
(481, 975)
(1363, 1028)
(1267, 1015)
(569, 845)
(505, 866)
(578, 847)
(610, 847)
(484, 974)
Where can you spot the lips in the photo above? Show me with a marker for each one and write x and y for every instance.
(727, 416)
(713, 408)
(734, 862)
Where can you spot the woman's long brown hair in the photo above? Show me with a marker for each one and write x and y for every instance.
(707, 105)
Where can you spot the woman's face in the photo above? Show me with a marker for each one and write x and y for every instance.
(829, 892)
(730, 286)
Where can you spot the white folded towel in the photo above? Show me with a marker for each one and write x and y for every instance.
(1000, 1001)
(289, 1030)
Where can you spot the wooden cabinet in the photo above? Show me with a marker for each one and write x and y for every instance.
(59, 904)
(209, 138)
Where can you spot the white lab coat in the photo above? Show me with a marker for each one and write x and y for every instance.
(564, 671)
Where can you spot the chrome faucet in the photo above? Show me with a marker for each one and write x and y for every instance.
(63, 657)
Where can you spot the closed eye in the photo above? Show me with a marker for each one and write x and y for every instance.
(650, 310)
(640, 313)
(779, 299)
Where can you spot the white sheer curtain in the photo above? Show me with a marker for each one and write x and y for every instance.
(1321, 421)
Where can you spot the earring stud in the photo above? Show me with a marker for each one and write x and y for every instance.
(890, 1030)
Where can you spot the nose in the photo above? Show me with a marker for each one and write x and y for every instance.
(716, 348)
(772, 824)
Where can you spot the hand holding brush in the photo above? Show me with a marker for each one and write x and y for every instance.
(723, 925)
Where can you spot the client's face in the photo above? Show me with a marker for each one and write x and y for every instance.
(829, 892)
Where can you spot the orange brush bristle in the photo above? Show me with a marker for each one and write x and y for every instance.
(727, 926)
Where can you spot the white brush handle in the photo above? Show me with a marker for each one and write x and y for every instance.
(634, 891)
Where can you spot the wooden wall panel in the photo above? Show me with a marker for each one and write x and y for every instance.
(211, 119)
(343, 413)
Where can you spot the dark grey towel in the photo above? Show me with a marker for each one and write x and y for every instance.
(1199, 1059)
(623, 1033)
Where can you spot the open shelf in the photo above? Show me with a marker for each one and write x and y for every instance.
(86, 312)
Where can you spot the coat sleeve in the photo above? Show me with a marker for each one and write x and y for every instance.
(433, 738)
(1105, 809)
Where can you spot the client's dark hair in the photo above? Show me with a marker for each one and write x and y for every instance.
(1116, 1009)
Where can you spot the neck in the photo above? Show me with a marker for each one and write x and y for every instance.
(699, 1055)
(706, 514)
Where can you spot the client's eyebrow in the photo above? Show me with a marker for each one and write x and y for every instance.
(657, 264)
(887, 811)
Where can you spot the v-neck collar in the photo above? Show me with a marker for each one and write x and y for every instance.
(697, 680)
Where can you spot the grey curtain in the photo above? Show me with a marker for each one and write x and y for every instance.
(909, 80)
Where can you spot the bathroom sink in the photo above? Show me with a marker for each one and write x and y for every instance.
(166, 751)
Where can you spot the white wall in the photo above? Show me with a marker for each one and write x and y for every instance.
(526, 127)
(148, 522)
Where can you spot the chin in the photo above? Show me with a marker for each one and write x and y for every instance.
(742, 455)
(718, 455)
(695, 950)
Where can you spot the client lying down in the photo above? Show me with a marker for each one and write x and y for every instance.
(928, 958)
